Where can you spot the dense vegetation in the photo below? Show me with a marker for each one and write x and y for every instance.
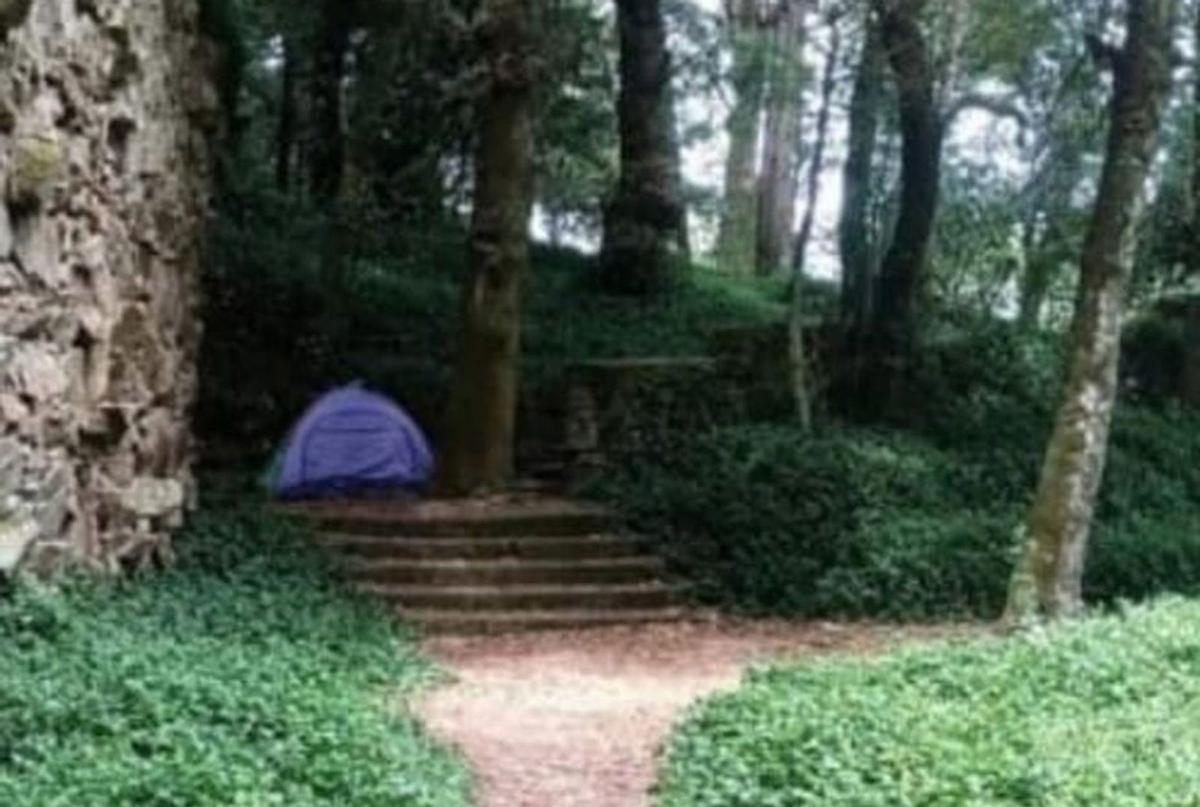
(1102, 712)
(917, 519)
(243, 676)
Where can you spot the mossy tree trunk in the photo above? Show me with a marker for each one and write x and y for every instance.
(480, 436)
(289, 116)
(1048, 580)
(1191, 368)
(739, 218)
(642, 221)
(903, 270)
(855, 236)
(328, 148)
(780, 176)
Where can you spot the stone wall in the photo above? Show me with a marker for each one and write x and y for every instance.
(106, 113)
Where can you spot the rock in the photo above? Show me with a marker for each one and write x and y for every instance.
(6, 233)
(37, 162)
(16, 537)
(105, 163)
(153, 498)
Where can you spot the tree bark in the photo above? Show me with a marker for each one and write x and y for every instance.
(780, 177)
(903, 271)
(1048, 580)
(817, 164)
(855, 239)
(329, 74)
(739, 219)
(480, 435)
(289, 117)
(1190, 386)
(641, 223)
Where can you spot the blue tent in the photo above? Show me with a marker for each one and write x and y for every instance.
(351, 441)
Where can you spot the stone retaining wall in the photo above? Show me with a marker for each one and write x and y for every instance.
(106, 116)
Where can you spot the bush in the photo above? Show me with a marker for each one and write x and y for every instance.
(915, 521)
(765, 520)
(1101, 712)
(244, 676)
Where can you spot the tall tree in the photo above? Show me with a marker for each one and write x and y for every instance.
(289, 115)
(1191, 368)
(1049, 577)
(855, 238)
(482, 412)
(642, 222)
(328, 148)
(816, 168)
(739, 218)
(922, 132)
(780, 176)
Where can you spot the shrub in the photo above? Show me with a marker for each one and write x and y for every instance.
(1101, 712)
(757, 518)
(244, 676)
(916, 520)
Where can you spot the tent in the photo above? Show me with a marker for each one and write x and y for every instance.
(351, 441)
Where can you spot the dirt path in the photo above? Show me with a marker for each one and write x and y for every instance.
(576, 719)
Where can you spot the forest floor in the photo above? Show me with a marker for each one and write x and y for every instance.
(577, 719)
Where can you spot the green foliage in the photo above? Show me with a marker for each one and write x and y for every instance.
(277, 335)
(243, 676)
(916, 521)
(1101, 712)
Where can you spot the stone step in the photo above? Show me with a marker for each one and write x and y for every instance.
(536, 598)
(534, 548)
(507, 572)
(497, 622)
(525, 516)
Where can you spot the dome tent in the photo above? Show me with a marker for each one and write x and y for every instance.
(351, 441)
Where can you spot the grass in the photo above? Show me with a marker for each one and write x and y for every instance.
(243, 676)
(1102, 712)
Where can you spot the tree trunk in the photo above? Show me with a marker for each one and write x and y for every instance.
(329, 74)
(1049, 577)
(817, 165)
(1191, 366)
(480, 436)
(854, 229)
(739, 219)
(289, 117)
(903, 270)
(779, 181)
(1044, 243)
(641, 224)
(683, 234)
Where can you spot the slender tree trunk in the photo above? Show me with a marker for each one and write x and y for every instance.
(1049, 577)
(903, 271)
(641, 224)
(817, 165)
(683, 232)
(854, 230)
(289, 117)
(480, 436)
(1035, 286)
(779, 181)
(739, 219)
(1191, 367)
(329, 74)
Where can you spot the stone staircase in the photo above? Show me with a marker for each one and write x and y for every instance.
(511, 563)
